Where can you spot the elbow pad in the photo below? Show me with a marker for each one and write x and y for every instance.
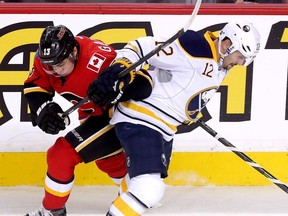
(140, 88)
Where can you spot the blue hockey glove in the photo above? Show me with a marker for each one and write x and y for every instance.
(106, 87)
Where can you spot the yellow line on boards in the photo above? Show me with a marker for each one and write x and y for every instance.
(186, 168)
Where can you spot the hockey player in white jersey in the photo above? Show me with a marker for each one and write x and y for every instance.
(186, 74)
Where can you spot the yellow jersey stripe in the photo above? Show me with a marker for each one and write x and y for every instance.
(143, 110)
(124, 185)
(56, 193)
(93, 137)
(208, 35)
(124, 208)
(35, 89)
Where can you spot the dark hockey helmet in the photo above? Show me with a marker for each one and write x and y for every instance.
(56, 44)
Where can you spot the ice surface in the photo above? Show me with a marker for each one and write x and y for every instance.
(182, 200)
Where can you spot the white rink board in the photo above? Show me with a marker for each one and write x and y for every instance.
(266, 131)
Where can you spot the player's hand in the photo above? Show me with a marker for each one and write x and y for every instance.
(49, 118)
(106, 87)
(100, 93)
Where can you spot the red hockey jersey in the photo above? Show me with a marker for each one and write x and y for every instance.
(93, 57)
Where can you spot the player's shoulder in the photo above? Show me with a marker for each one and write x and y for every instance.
(196, 44)
(83, 40)
(91, 45)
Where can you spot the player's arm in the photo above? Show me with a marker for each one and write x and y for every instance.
(138, 49)
(135, 85)
(140, 88)
(35, 99)
(44, 112)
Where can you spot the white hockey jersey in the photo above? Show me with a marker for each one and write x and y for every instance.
(185, 76)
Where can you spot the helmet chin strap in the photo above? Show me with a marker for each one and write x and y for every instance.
(222, 55)
(221, 59)
(73, 58)
(220, 62)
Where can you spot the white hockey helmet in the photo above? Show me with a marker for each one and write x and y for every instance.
(244, 37)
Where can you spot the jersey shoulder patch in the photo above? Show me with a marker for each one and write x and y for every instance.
(195, 44)
(96, 61)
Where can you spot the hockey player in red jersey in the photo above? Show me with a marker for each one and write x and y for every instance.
(186, 74)
(66, 65)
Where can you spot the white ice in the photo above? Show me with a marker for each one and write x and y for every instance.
(181, 200)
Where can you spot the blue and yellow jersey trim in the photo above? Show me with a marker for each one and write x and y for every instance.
(197, 45)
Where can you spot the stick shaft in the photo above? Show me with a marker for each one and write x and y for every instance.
(243, 156)
(150, 54)
(75, 106)
(166, 43)
(130, 68)
(147, 56)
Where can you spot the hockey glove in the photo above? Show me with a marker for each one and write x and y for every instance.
(106, 87)
(49, 118)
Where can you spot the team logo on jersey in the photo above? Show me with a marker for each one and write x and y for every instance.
(163, 159)
(198, 101)
(246, 28)
(96, 62)
(128, 161)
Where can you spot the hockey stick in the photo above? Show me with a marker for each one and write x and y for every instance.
(146, 57)
(243, 156)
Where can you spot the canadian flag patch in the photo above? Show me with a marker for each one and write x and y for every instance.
(96, 62)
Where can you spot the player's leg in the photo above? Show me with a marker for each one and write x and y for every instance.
(114, 166)
(84, 143)
(126, 180)
(123, 187)
(98, 142)
(61, 159)
(147, 157)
